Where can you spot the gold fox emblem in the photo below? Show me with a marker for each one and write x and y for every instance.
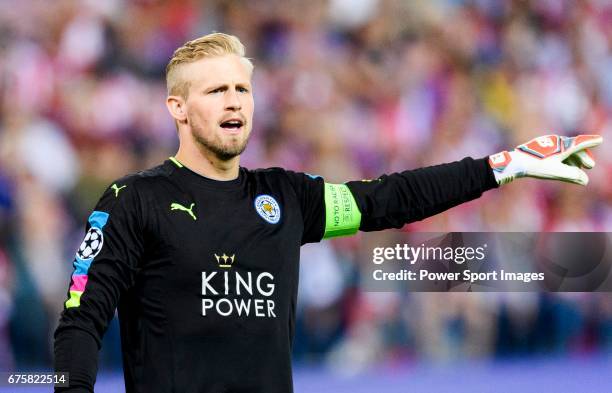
(178, 206)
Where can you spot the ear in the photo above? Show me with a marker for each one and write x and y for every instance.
(177, 107)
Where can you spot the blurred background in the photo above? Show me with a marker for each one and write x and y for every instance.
(347, 89)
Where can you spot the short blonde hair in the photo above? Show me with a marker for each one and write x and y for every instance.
(210, 45)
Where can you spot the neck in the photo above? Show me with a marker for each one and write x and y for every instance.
(204, 162)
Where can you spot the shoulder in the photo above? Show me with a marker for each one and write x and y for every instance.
(141, 181)
(133, 187)
(282, 173)
(274, 176)
(298, 183)
(270, 172)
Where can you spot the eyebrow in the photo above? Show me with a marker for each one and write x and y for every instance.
(225, 86)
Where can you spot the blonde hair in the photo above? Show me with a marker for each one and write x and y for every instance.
(210, 45)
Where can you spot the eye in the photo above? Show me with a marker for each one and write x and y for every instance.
(243, 90)
(217, 90)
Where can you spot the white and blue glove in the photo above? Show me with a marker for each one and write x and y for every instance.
(547, 157)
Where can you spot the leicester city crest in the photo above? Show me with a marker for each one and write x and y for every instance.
(268, 208)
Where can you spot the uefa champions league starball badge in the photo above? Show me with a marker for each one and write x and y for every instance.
(268, 208)
(91, 245)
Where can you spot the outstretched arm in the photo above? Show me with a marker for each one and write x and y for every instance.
(394, 200)
(391, 201)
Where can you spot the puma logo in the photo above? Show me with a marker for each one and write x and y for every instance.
(117, 189)
(178, 206)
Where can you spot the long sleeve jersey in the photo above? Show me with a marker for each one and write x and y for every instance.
(204, 273)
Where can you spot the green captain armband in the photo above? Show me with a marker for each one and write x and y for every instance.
(342, 216)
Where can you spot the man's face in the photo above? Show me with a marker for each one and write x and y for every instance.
(220, 104)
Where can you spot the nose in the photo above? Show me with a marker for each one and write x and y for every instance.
(232, 100)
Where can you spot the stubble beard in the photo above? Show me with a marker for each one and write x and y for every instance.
(223, 152)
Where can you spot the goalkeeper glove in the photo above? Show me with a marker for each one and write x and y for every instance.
(547, 157)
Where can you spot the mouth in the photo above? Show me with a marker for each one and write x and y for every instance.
(233, 126)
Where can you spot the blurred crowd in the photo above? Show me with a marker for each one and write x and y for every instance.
(347, 89)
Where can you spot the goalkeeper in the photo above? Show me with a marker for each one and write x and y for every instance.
(200, 256)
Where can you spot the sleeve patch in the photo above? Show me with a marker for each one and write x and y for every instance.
(74, 300)
(342, 215)
(98, 219)
(89, 248)
(78, 282)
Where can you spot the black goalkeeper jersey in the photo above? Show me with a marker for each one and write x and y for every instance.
(204, 273)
